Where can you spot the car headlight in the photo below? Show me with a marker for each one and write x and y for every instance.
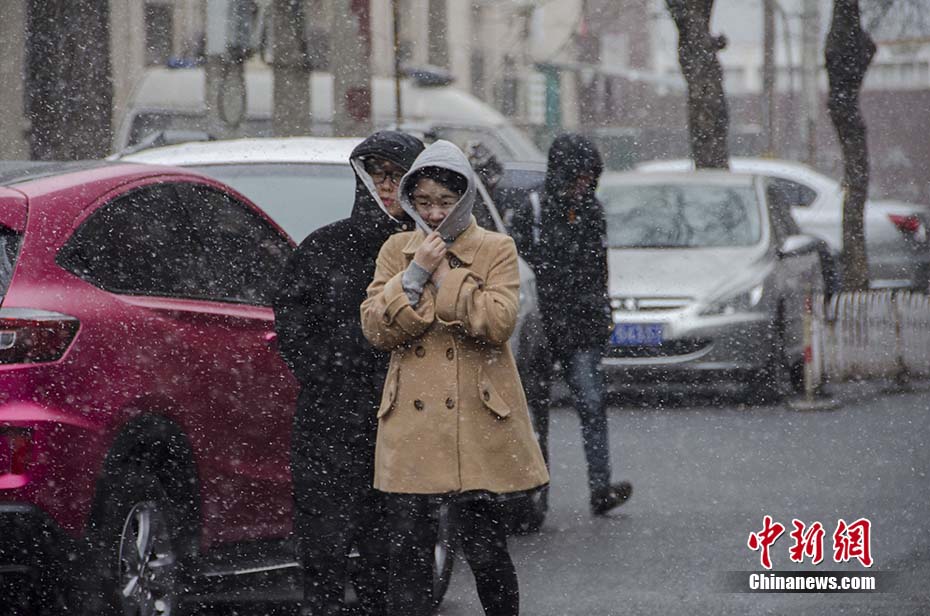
(742, 302)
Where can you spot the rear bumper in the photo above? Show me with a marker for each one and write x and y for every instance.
(36, 557)
(894, 271)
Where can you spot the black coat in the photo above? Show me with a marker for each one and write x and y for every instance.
(320, 337)
(565, 242)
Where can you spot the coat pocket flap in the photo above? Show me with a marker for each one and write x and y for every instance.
(490, 397)
(390, 392)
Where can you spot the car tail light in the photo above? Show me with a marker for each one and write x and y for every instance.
(15, 449)
(909, 225)
(34, 336)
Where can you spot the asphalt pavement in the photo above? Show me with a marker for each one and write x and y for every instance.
(705, 473)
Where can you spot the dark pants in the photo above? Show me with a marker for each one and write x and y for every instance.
(480, 530)
(327, 532)
(581, 369)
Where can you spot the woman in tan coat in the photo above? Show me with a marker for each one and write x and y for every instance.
(453, 422)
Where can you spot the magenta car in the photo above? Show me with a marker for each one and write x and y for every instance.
(144, 411)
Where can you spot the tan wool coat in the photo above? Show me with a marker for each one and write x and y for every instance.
(453, 414)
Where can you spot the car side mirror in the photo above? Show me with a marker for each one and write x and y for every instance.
(795, 245)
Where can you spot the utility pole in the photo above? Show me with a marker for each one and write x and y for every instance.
(228, 44)
(398, 103)
(587, 44)
(351, 68)
(291, 113)
(438, 35)
(768, 75)
(13, 142)
(810, 82)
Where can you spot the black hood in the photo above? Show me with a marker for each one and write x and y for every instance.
(368, 212)
(571, 155)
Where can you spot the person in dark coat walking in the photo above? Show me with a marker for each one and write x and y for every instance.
(562, 234)
(341, 376)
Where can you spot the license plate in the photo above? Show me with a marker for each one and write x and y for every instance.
(636, 334)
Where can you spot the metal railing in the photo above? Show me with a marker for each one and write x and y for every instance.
(869, 335)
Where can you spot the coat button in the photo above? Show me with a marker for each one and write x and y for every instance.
(418, 405)
(450, 403)
(454, 262)
(450, 354)
(486, 395)
(420, 351)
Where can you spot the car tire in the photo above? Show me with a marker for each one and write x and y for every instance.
(775, 381)
(527, 514)
(830, 271)
(137, 547)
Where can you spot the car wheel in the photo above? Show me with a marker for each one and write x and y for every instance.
(528, 514)
(137, 546)
(775, 381)
(443, 553)
(830, 271)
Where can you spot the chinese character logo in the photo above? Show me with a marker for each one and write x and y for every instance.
(809, 543)
(849, 541)
(853, 541)
(765, 538)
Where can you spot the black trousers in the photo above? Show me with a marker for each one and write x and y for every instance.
(480, 529)
(327, 532)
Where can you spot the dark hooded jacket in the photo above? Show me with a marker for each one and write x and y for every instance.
(565, 242)
(320, 335)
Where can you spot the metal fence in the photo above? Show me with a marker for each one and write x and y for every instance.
(868, 335)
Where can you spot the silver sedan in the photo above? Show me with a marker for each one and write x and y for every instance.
(706, 280)
(895, 232)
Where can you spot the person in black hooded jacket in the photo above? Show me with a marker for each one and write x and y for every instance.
(562, 233)
(341, 375)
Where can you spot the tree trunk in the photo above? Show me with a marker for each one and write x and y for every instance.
(69, 91)
(350, 63)
(708, 117)
(848, 52)
(291, 112)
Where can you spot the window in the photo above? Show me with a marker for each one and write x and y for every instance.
(159, 33)
(299, 197)
(680, 216)
(178, 241)
(9, 249)
(242, 254)
(790, 194)
(783, 224)
(140, 244)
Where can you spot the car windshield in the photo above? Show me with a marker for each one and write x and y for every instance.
(680, 215)
(300, 197)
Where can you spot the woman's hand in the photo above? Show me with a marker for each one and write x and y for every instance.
(441, 270)
(431, 252)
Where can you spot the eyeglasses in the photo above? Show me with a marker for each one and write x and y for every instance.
(425, 203)
(379, 175)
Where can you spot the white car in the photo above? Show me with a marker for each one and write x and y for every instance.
(895, 232)
(167, 107)
(304, 183)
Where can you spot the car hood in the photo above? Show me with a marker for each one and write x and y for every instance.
(697, 273)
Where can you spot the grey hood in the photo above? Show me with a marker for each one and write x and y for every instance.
(445, 155)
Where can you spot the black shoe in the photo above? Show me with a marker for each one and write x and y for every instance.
(610, 497)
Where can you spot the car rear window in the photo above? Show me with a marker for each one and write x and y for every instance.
(9, 249)
(681, 216)
(301, 198)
